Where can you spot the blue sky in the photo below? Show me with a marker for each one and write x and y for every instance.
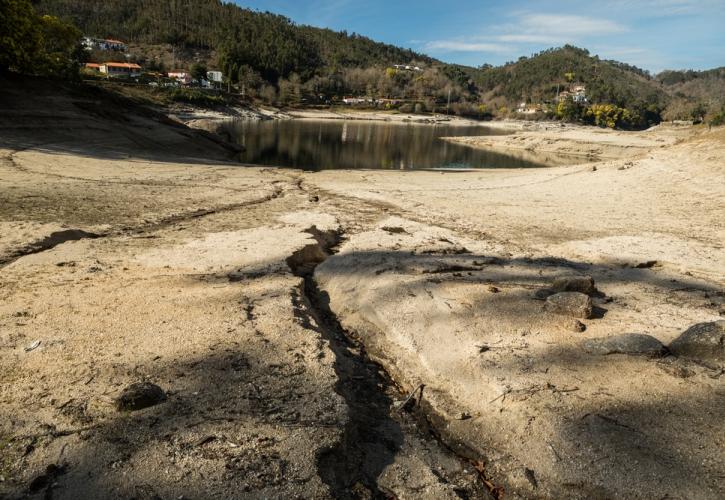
(652, 34)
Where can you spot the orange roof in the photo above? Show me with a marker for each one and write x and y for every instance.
(114, 41)
(122, 65)
(92, 65)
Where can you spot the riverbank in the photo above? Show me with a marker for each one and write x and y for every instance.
(578, 140)
(256, 298)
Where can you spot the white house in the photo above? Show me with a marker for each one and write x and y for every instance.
(103, 44)
(215, 76)
(183, 77)
(529, 109)
(406, 67)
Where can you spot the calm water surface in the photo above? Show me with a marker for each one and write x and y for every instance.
(323, 145)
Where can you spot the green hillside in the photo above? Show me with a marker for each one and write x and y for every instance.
(694, 93)
(269, 43)
(537, 79)
(280, 62)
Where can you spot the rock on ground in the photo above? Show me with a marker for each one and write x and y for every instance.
(627, 343)
(703, 341)
(574, 304)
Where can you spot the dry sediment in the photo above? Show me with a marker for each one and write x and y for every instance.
(229, 288)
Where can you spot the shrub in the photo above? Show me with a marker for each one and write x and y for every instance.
(197, 97)
(718, 119)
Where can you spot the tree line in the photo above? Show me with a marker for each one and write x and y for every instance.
(268, 57)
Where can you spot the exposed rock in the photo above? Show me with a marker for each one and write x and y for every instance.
(703, 341)
(576, 326)
(582, 284)
(140, 395)
(574, 304)
(543, 293)
(626, 343)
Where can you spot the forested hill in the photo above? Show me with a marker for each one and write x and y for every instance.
(271, 44)
(274, 59)
(538, 77)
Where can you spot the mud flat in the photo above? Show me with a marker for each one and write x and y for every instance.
(578, 141)
(290, 319)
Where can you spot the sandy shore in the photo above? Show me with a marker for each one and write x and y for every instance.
(396, 117)
(579, 141)
(256, 299)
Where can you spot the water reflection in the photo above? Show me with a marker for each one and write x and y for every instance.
(323, 145)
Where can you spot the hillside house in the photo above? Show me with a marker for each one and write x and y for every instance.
(103, 44)
(529, 109)
(356, 100)
(577, 93)
(369, 100)
(406, 67)
(93, 66)
(215, 76)
(183, 77)
(114, 69)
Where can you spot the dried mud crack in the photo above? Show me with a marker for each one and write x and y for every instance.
(59, 237)
(377, 430)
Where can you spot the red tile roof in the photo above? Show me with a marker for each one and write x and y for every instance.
(122, 65)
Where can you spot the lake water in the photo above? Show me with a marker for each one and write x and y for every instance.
(346, 144)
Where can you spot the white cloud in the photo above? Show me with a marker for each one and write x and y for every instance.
(529, 28)
(660, 8)
(526, 38)
(567, 26)
(464, 46)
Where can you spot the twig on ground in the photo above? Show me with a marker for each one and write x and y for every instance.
(410, 397)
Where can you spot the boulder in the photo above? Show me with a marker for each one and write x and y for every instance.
(140, 395)
(574, 304)
(627, 343)
(581, 284)
(703, 342)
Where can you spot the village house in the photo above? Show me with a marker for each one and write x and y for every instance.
(529, 109)
(114, 69)
(356, 100)
(181, 76)
(103, 44)
(406, 67)
(368, 100)
(93, 66)
(577, 93)
(215, 76)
